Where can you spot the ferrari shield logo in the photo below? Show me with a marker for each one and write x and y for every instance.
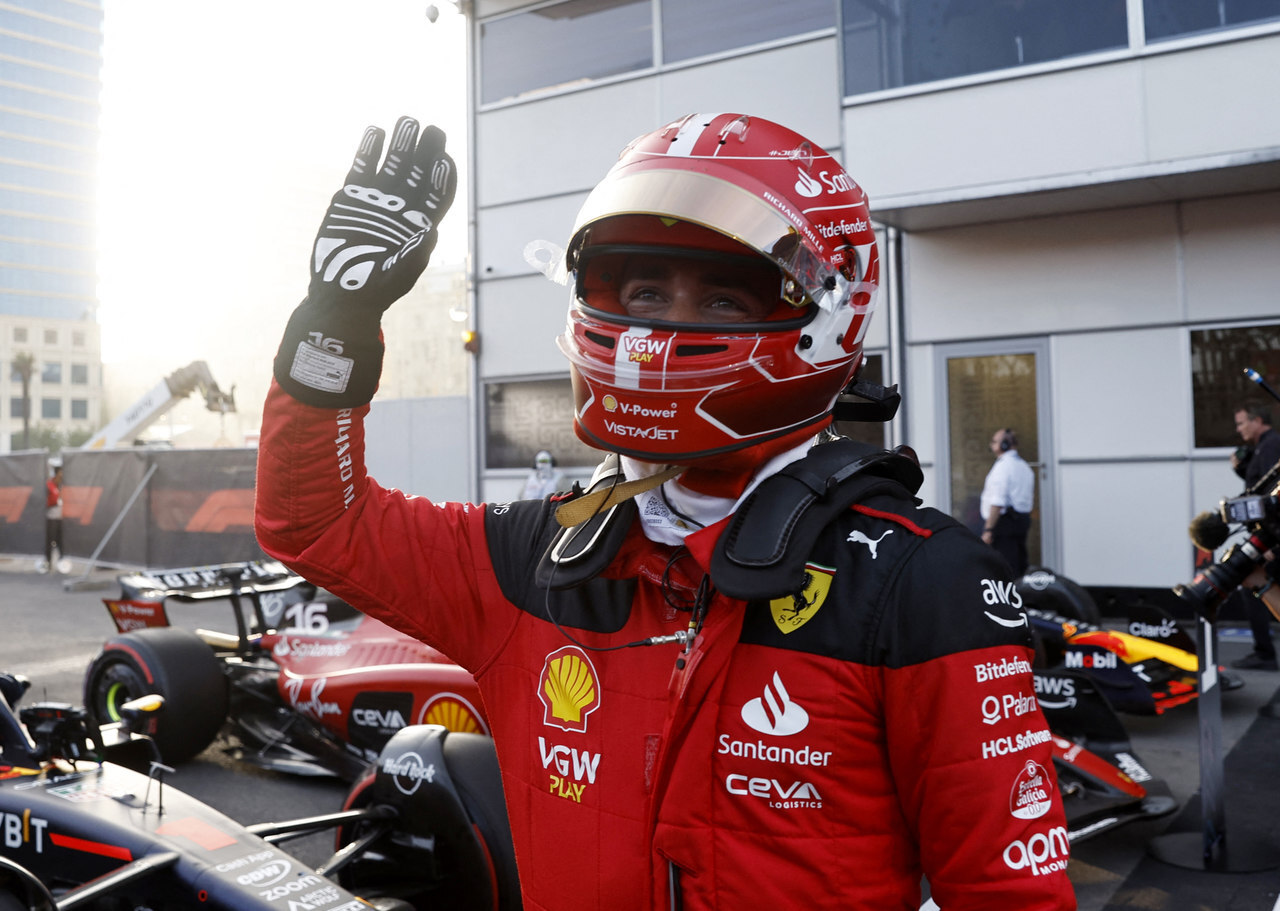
(794, 611)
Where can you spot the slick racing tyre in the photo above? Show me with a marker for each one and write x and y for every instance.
(21, 890)
(169, 662)
(1049, 591)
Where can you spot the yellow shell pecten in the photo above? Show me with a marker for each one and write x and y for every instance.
(453, 715)
(570, 686)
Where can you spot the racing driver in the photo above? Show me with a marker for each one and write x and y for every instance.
(743, 668)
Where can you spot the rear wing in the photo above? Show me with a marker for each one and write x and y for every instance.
(267, 585)
(197, 583)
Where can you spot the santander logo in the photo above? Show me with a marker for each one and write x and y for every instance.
(774, 712)
(807, 186)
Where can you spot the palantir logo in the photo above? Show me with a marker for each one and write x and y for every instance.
(806, 185)
(774, 712)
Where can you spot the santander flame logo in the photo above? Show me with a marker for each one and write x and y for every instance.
(774, 712)
(807, 186)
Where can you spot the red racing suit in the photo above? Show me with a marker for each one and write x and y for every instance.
(824, 750)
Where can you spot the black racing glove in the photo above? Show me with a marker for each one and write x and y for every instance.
(374, 242)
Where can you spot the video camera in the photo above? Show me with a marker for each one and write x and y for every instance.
(1257, 511)
(1259, 514)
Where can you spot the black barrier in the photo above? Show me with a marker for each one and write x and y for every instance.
(136, 507)
(200, 507)
(96, 489)
(22, 497)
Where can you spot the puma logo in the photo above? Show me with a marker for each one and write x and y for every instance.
(859, 538)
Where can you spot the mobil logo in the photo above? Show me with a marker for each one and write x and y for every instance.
(1091, 657)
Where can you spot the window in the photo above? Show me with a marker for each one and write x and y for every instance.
(77, 338)
(894, 43)
(20, 334)
(51, 336)
(51, 372)
(80, 409)
(51, 408)
(563, 44)
(1175, 18)
(17, 407)
(80, 374)
(523, 417)
(693, 28)
(1218, 383)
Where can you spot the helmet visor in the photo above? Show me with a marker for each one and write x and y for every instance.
(682, 287)
(723, 207)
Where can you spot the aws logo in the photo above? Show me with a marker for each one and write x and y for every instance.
(568, 689)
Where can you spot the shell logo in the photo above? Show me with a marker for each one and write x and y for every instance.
(609, 403)
(454, 712)
(567, 689)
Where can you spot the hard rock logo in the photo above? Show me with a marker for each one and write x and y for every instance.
(568, 690)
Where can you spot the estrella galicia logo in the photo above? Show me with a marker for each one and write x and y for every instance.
(774, 712)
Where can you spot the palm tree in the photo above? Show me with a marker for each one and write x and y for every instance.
(24, 364)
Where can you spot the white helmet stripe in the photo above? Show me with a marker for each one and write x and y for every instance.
(690, 132)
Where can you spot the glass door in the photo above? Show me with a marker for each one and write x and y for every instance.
(985, 387)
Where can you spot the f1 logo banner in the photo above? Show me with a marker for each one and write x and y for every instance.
(200, 508)
(22, 498)
(195, 508)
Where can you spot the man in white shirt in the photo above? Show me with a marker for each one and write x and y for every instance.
(1008, 495)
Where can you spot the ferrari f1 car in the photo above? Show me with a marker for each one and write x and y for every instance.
(82, 828)
(1146, 668)
(304, 682)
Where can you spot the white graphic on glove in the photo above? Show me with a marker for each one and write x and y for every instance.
(382, 217)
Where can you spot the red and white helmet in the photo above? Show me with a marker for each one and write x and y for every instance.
(725, 186)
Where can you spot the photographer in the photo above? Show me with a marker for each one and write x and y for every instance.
(1261, 449)
(1252, 461)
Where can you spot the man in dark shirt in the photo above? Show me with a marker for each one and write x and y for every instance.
(1260, 453)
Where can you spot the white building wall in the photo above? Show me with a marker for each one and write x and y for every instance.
(1117, 292)
(1069, 127)
(1114, 280)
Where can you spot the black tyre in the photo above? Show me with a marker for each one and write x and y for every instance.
(1044, 589)
(170, 662)
(20, 890)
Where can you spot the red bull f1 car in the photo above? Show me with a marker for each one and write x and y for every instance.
(90, 820)
(1146, 668)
